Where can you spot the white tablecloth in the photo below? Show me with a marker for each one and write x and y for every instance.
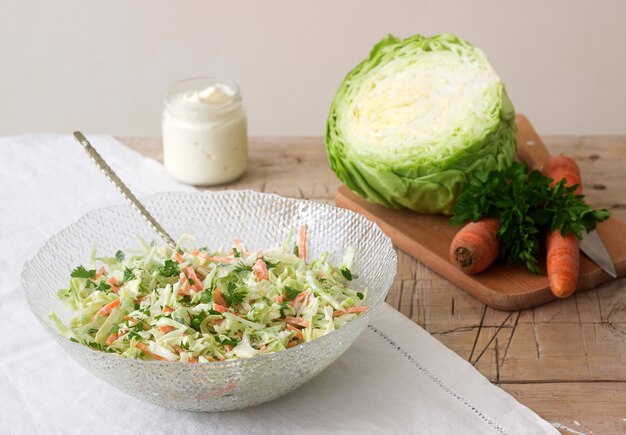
(396, 377)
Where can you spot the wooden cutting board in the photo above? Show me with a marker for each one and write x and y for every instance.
(427, 237)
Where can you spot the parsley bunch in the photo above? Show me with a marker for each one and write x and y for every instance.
(526, 205)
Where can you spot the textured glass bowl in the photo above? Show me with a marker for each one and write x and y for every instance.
(214, 218)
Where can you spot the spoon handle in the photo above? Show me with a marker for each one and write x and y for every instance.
(123, 189)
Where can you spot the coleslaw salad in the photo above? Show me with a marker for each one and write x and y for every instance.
(196, 305)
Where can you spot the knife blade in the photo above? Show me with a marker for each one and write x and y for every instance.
(594, 248)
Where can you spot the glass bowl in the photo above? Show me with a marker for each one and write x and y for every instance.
(261, 221)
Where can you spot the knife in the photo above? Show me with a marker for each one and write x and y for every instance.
(593, 247)
(532, 151)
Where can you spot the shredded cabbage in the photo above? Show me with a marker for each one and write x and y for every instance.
(197, 305)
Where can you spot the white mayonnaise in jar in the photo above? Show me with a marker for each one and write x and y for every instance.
(205, 139)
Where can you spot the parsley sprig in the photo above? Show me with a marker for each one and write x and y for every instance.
(526, 205)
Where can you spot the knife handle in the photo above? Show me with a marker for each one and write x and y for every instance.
(530, 147)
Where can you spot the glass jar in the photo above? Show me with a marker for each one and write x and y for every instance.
(205, 139)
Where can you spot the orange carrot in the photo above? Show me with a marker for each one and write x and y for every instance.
(179, 258)
(167, 310)
(184, 288)
(476, 246)
(101, 271)
(562, 253)
(300, 298)
(297, 321)
(197, 284)
(220, 308)
(166, 328)
(280, 299)
(260, 271)
(357, 309)
(131, 320)
(106, 310)
(559, 167)
(298, 335)
(142, 347)
(563, 262)
(111, 339)
(218, 298)
(302, 242)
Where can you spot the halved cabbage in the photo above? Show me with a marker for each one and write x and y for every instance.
(412, 122)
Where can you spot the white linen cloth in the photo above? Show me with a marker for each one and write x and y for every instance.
(395, 378)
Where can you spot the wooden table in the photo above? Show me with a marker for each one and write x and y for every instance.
(565, 360)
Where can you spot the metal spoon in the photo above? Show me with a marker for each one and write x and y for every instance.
(123, 189)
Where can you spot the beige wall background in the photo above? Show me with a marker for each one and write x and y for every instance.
(103, 67)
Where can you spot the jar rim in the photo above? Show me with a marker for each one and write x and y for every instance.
(198, 84)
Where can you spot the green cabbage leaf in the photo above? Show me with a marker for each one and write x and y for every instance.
(412, 122)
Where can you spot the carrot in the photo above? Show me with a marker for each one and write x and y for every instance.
(218, 298)
(220, 308)
(562, 253)
(184, 288)
(563, 262)
(166, 328)
(300, 298)
(131, 320)
(298, 335)
(297, 321)
(167, 310)
(302, 242)
(197, 284)
(101, 271)
(560, 167)
(360, 309)
(280, 299)
(111, 339)
(476, 246)
(179, 258)
(260, 270)
(142, 347)
(106, 310)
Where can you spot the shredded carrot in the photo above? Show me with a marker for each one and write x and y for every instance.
(167, 310)
(142, 347)
(297, 321)
(184, 288)
(166, 328)
(179, 258)
(298, 332)
(101, 271)
(260, 271)
(197, 284)
(111, 339)
(228, 347)
(476, 246)
(279, 299)
(302, 242)
(131, 320)
(300, 298)
(106, 310)
(360, 309)
(220, 308)
(218, 298)
(339, 313)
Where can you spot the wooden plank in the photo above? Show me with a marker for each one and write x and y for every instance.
(587, 408)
